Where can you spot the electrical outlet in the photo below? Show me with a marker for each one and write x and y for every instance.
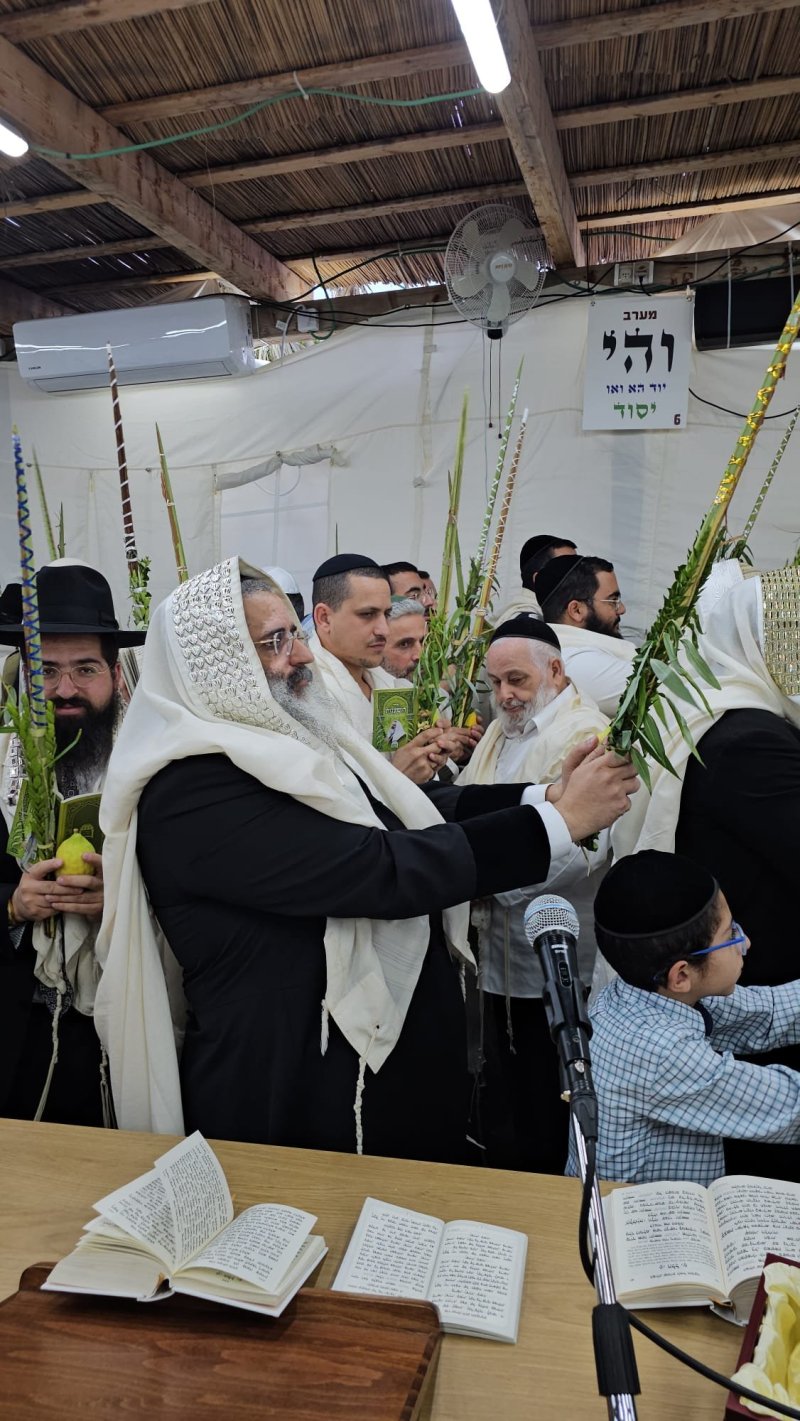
(633, 273)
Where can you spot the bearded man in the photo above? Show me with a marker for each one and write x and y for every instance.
(312, 896)
(50, 1066)
(534, 553)
(540, 718)
(581, 600)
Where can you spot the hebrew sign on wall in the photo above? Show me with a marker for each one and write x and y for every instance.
(638, 354)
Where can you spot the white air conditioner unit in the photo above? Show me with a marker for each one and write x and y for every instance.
(187, 340)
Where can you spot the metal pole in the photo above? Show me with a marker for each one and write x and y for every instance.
(621, 1407)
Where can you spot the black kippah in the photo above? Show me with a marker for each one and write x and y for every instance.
(532, 546)
(527, 624)
(343, 562)
(650, 893)
(554, 573)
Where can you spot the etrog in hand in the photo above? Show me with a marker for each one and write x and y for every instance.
(71, 853)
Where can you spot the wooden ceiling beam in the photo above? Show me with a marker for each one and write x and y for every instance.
(525, 109)
(244, 92)
(645, 19)
(91, 250)
(424, 60)
(49, 202)
(437, 141)
(459, 197)
(676, 211)
(251, 91)
(622, 110)
(65, 15)
(696, 162)
(387, 251)
(131, 283)
(52, 117)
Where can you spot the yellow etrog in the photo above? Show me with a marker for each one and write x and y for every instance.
(71, 852)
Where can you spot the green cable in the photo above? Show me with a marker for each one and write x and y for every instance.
(248, 113)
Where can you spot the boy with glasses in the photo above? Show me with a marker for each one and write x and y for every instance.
(668, 1031)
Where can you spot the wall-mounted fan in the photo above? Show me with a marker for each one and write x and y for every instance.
(495, 266)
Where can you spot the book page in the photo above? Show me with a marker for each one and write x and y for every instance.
(178, 1206)
(259, 1246)
(477, 1282)
(754, 1217)
(662, 1234)
(222, 1288)
(392, 1252)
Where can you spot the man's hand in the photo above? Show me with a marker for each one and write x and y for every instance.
(596, 792)
(460, 741)
(30, 900)
(575, 758)
(422, 756)
(81, 893)
(37, 896)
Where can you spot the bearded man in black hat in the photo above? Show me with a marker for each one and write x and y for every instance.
(50, 1059)
(540, 718)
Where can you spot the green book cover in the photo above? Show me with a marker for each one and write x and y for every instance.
(394, 717)
(79, 815)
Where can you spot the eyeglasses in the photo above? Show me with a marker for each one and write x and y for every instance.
(81, 675)
(738, 940)
(282, 640)
(613, 601)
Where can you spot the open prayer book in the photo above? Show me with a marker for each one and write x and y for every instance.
(173, 1231)
(473, 1273)
(677, 1244)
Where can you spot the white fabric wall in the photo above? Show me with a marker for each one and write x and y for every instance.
(388, 397)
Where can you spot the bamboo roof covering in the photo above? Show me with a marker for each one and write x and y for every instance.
(686, 104)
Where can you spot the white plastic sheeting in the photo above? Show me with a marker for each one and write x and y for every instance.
(387, 399)
(732, 231)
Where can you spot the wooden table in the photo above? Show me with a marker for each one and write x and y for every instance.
(50, 1175)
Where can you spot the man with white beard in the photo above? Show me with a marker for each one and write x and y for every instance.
(541, 717)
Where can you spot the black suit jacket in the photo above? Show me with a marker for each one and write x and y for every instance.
(740, 816)
(242, 879)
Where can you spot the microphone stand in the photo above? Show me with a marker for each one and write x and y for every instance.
(609, 1329)
(568, 1020)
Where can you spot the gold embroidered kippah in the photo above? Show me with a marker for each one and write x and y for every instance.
(781, 594)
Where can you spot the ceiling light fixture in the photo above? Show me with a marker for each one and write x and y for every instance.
(11, 143)
(483, 41)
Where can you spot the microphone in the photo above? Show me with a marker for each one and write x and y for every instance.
(552, 928)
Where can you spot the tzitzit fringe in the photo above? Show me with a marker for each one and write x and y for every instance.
(362, 1067)
(61, 989)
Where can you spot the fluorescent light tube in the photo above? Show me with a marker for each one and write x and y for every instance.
(11, 143)
(483, 41)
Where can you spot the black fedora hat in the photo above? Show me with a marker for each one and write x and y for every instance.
(74, 600)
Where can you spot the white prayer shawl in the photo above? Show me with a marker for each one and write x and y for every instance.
(731, 645)
(599, 665)
(345, 691)
(203, 691)
(522, 601)
(575, 718)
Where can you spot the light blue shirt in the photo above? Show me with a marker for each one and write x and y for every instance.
(670, 1088)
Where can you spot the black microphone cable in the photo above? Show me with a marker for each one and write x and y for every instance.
(719, 1378)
